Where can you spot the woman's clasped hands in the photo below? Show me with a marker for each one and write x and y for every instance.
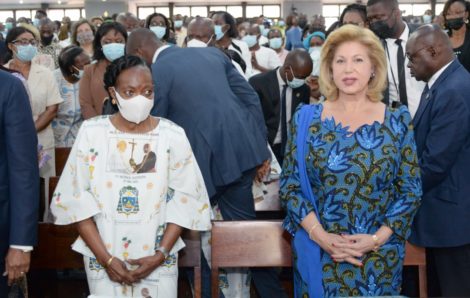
(119, 272)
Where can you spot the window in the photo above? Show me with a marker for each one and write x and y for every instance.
(182, 10)
(24, 14)
(330, 11)
(439, 8)
(218, 8)
(199, 11)
(253, 11)
(419, 9)
(73, 14)
(235, 11)
(83, 15)
(4, 14)
(272, 11)
(163, 10)
(143, 12)
(55, 14)
(406, 9)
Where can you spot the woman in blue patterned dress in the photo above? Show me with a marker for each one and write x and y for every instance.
(363, 170)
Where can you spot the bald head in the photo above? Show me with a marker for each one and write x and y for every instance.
(201, 29)
(143, 43)
(298, 63)
(428, 50)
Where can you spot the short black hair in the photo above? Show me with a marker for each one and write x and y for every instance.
(388, 3)
(168, 24)
(355, 7)
(450, 2)
(228, 19)
(67, 57)
(119, 65)
(102, 31)
(41, 11)
(13, 35)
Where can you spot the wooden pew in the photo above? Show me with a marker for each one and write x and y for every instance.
(266, 244)
(61, 156)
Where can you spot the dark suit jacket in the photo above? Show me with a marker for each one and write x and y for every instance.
(200, 90)
(267, 86)
(442, 132)
(19, 174)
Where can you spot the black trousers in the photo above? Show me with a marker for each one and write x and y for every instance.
(448, 271)
(3, 284)
(236, 203)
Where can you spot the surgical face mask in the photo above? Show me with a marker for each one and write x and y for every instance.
(296, 82)
(85, 37)
(36, 22)
(275, 43)
(178, 24)
(80, 73)
(265, 32)
(47, 40)
(219, 34)
(196, 43)
(382, 30)
(26, 53)
(455, 24)
(315, 54)
(261, 28)
(251, 40)
(159, 31)
(113, 51)
(427, 19)
(135, 109)
(8, 26)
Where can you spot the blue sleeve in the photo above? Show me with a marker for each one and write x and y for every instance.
(446, 137)
(23, 173)
(292, 197)
(288, 41)
(162, 85)
(407, 195)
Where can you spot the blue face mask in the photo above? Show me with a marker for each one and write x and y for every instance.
(113, 51)
(281, 23)
(178, 24)
(427, 19)
(265, 32)
(36, 22)
(275, 43)
(219, 34)
(159, 31)
(251, 40)
(261, 28)
(296, 82)
(26, 53)
(8, 26)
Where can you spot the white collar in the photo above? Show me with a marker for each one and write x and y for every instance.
(279, 78)
(158, 51)
(438, 73)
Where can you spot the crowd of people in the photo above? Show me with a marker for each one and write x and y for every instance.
(174, 121)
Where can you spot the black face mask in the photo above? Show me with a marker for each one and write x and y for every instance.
(455, 24)
(382, 30)
(46, 40)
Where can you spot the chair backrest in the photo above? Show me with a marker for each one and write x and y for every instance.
(250, 244)
(61, 156)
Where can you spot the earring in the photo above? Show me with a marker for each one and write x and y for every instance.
(372, 75)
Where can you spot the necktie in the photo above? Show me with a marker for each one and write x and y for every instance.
(424, 98)
(401, 73)
(283, 120)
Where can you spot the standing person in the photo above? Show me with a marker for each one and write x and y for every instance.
(456, 22)
(354, 14)
(108, 45)
(49, 49)
(19, 181)
(442, 128)
(293, 34)
(180, 30)
(72, 61)
(160, 25)
(385, 21)
(83, 34)
(213, 95)
(129, 21)
(130, 222)
(275, 42)
(45, 96)
(263, 59)
(280, 91)
(361, 167)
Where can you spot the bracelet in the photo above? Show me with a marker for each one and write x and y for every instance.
(311, 229)
(376, 242)
(110, 260)
(164, 251)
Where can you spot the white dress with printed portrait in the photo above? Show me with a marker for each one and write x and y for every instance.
(132, 185)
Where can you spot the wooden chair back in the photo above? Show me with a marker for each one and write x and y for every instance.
(416, 256)
(61, 156)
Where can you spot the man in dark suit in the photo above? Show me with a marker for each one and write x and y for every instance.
(200, 90)
(442, 131)
(385, 20)
(280, 96)
(19, 181)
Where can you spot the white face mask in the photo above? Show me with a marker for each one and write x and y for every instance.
(196, 43)
(135, 109)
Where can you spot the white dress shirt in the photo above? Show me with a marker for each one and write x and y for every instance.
(158, 51)
(438, 73)
(266, 58)
(277, 139)
(414, 88)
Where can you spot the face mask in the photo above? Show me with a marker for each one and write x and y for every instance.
(47, 40)
(296, 82)
(315, 53)
(251, 40)
(196, 43)
(455, 24)
(281, 23)
(159, 31)
(85, 37)
(113, 51)
(80, 73)
(178, 24)
(135, 109)
(261, 28)
(26, 53)
(427, 19)
(36, 22)
(275, 43)
(265, 32)
(219, 34)
(382, 30)
(8, 26)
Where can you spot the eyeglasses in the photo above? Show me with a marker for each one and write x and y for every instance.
(455, 13)
(25, 42)
(412, 56)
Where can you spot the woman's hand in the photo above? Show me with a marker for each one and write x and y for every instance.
(263, 170)
(145, 265)
(334, 245)
(117, 272)
(359, 244)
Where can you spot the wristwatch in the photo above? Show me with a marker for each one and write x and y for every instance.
(163, 250)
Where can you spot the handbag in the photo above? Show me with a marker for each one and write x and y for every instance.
(308, 252)
(108, 107)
